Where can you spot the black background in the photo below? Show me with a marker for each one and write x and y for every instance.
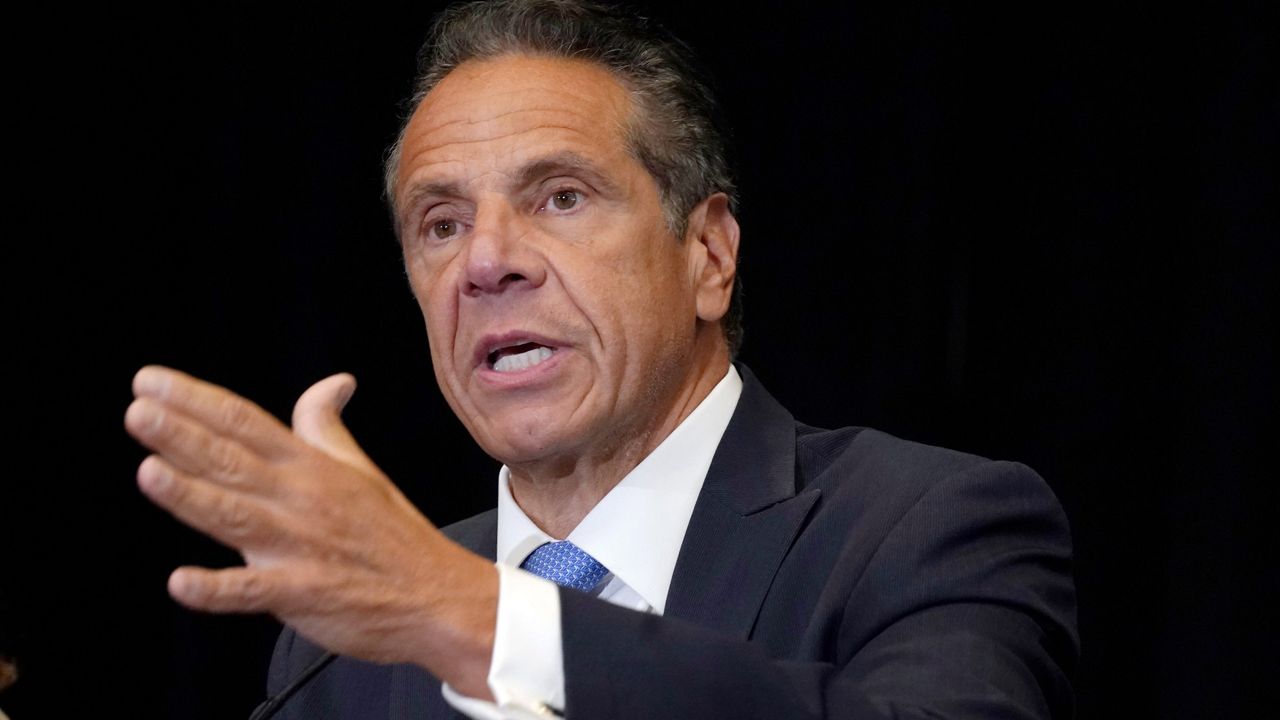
(1038, 234)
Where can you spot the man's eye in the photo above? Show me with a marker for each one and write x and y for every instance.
(444, 228)
(565, 199)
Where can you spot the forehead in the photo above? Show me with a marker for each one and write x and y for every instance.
(503, 111)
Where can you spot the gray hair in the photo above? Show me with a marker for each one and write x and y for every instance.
(673, 130)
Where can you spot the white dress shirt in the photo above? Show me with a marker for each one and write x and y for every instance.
(635, 531)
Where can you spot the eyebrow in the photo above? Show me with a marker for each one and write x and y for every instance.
(429, 189)
(565, 161)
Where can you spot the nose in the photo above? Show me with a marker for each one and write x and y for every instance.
(500, 257)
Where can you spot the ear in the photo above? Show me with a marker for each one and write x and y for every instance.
(713, 251)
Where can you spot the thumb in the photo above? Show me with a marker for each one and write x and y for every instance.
(317, 419)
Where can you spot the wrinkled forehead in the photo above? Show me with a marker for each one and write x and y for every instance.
(501, 109)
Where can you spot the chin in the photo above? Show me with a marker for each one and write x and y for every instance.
(523, 452)
(524, 440)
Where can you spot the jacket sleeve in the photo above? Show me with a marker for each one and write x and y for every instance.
(966, 610)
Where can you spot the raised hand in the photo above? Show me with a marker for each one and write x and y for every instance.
(331, 546)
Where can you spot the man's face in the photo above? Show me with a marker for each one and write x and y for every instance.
(560, 309)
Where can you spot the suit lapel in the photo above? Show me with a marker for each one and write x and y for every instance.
(745, 519)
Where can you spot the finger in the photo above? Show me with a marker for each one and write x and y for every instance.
(229, 517)
(237, 589)
(221, 410)
(317, 419)
(193, 449)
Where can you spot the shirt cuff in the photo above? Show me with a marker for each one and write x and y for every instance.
(526, 675)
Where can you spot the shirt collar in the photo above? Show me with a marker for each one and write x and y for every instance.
(636, 530)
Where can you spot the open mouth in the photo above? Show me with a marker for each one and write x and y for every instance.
(515, 358)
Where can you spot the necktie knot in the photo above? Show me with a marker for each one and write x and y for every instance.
(565, 564)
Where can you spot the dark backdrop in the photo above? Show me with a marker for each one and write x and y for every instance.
(1046, 235)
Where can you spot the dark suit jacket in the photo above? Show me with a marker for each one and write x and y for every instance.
(825, 573)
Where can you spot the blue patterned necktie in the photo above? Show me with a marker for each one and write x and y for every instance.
(565, 564)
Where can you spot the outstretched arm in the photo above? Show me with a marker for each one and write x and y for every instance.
(330, 546)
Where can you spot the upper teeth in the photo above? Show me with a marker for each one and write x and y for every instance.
(520, 361)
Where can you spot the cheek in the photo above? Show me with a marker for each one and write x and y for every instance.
(653, 304)
(431, 287)
(666, 276)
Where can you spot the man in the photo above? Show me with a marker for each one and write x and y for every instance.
(567, 223)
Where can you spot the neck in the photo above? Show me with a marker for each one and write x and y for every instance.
(557, 495)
